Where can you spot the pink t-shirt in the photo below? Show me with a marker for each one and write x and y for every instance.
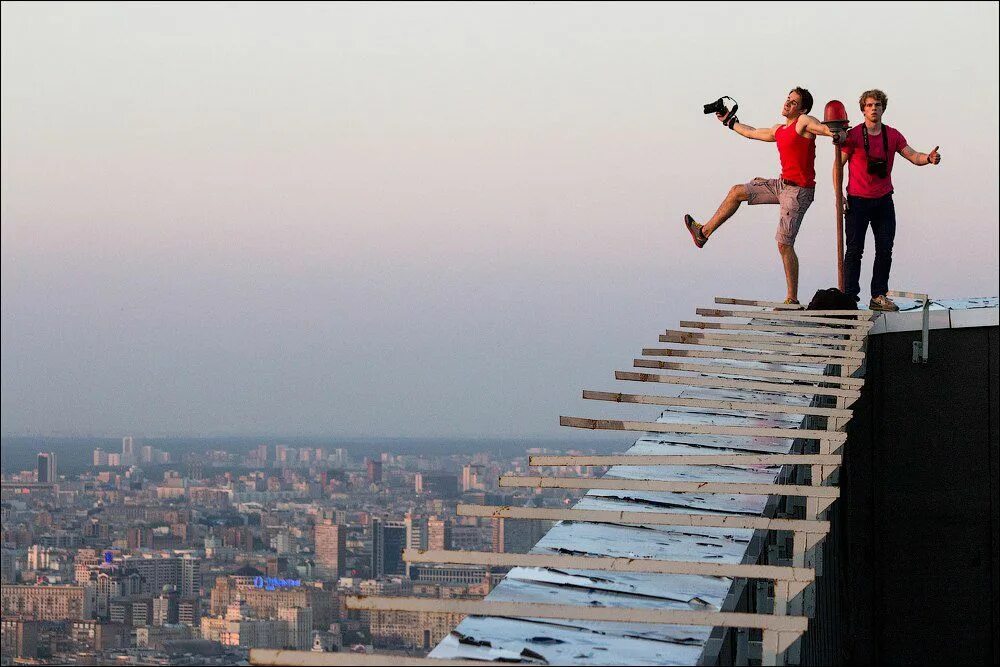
(859, 182)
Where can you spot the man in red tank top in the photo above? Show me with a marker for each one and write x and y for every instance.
(793, 191)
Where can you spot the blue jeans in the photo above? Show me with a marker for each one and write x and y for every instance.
(881, 215)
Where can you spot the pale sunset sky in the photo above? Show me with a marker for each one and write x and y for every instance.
(433, 219)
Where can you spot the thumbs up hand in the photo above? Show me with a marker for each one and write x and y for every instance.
(934, 157)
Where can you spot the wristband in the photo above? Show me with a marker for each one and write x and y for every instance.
(732, 122)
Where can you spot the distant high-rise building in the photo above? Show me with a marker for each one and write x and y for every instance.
(438, 534)
(472, 477)
(181, 572)
(8, 566)
(188, 612)
(166, 606)
(100, 458)
(276, 566)
(413, 630)
(139, 537)
(437, 485)
(282, 543)
(416, 531)
(128, 450)
(374, 471)
(147, 454)
(416, 534)
(470, 538)
(39, 557)
(517, 536)
(388, 542)
(331, 548)
(300, 623)
(339, 457)
(18, 639)
(46, 603)
(142, 612)
(46, 467)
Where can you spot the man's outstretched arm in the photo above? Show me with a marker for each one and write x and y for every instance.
(807, 123)
(750, 132)
(920, 159)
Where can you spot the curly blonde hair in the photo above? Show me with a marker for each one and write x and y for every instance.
(875, 94)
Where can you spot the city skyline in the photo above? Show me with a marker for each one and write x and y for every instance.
(241, 549)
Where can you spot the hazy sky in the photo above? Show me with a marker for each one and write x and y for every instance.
(432, 220)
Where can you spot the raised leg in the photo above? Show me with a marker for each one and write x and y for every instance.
(736, 195)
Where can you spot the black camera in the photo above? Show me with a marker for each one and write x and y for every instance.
(716, 107)
(878, 168)
(728, 116)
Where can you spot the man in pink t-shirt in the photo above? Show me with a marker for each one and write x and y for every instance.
(869, 152)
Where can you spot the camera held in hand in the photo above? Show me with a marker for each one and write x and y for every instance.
(719, 108)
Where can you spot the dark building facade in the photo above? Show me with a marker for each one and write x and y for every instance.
(46, 471)
(912, 558)
(388, 542)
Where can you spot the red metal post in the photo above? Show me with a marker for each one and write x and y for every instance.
(838, 188)
(835, 117)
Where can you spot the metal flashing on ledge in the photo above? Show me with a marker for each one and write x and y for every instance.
(921, 348)
(942, 314)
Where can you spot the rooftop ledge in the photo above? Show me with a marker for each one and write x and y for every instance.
(942, 314)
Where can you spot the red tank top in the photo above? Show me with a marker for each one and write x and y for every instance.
(798, 156)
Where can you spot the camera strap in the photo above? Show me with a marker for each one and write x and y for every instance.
(885, 141)
(731, 117)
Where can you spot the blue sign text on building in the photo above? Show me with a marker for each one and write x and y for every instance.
(274, 583)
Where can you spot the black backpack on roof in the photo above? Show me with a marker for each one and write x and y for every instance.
(831, 299)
